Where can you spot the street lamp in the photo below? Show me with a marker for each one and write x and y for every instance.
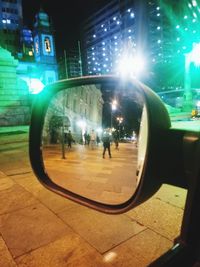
(113, 108)
(192, 57)
(120, 120)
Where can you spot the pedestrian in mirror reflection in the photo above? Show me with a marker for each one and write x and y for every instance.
(92, 139)
(106, 143)
(98, 140)
(116, 139)
(69, 139)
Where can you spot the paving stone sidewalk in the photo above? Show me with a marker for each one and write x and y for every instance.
(41, 229)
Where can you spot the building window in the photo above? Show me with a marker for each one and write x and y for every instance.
(47, 44)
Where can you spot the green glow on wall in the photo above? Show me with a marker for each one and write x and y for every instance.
(34, 84)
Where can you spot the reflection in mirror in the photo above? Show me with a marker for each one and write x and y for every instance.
(82, 123)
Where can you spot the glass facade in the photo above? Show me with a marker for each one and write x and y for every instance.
(105, 35)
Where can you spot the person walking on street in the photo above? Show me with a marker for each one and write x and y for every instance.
(106, 144)
(116, 139)
(92, 139)
(69, 139)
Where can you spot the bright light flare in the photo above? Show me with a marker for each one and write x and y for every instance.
(81, 124)
(131, 65)
(34, 84)
(114, 105)
(195, 54)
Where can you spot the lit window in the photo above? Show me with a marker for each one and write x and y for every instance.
(94, 35)
(194, 3)
(185, 17)
(8, 21)
(132, 15)
(177, 26)
(194, 14)
(114, 18)
(158, 28)
(129, 10)
(105, 30)
(158, 8)
(102, 25)
(129, 30)
(3, 21)
(47, 44)
(36, 47)
(118, 22)
(158, 15)
(159, 41)
(115, 37)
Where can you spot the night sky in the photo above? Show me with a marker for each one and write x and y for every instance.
(65, 15)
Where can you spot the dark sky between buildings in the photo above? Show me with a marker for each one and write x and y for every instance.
(65, 15)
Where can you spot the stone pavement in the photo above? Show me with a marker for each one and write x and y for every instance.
(41, 229)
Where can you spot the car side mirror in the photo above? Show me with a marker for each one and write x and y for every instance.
(71, 119)
(78, 171)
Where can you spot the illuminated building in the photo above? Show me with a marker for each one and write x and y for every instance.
(70, 63)
(27, 61)
(104, 35)
(35, 50)
(10, 25)
(163, 31)
(81, 112)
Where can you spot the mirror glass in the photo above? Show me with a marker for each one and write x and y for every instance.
(94, 140)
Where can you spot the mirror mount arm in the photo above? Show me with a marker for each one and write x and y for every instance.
(177, 162)
(186, 249)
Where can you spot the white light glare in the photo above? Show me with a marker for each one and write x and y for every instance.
(131, 65)
(195, 54)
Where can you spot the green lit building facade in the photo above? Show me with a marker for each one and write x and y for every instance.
(27, 61)
(34, 49)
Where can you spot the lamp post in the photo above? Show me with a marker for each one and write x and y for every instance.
(120, 120)
(113, 108)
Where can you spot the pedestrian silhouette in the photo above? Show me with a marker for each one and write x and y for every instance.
(69, 139)
(116, 139)
(106, 144)
(92, 139)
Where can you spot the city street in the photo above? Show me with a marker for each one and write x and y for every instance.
(86, 172)
(39, 228)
